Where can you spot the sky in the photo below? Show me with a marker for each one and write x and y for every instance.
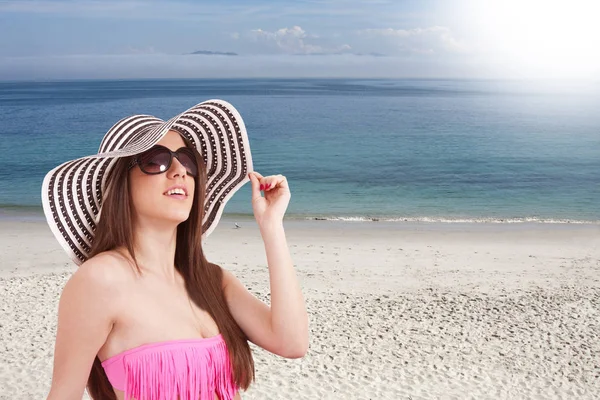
(480, 39)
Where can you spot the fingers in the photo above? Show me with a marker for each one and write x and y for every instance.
(255, 184)
(273, 181)
(268, 182)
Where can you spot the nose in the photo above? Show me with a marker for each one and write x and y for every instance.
(177, 169)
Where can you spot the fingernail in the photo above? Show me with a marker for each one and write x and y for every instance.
(262, 186)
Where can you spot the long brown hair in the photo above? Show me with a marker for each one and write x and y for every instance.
(203, 280)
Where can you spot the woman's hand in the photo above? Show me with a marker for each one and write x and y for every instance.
(271, 208)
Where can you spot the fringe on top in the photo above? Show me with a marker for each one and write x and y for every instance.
(188, 369)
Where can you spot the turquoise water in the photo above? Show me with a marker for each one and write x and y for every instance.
(351, 149)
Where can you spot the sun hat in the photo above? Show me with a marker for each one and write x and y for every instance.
(72, 192)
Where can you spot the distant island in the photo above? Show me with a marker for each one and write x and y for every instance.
(214, 53)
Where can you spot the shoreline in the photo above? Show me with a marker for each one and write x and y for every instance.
(33, 214)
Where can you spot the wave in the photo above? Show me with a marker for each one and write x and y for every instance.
(451, 220)
(36, 211)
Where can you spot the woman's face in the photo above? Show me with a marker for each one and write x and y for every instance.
(157, 198)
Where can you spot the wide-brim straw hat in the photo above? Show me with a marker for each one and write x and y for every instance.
(72, 192)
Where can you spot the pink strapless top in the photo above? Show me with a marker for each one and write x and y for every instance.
(191, 369)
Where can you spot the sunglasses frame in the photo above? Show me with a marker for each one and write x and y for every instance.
(136, 160)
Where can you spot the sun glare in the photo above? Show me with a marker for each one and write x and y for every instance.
(552, 38)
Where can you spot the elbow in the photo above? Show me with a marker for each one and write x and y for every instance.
(297, 353)
(296, 350)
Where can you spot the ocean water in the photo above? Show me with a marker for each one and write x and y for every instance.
(417, 150)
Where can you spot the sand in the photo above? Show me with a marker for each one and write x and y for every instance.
(397, 310)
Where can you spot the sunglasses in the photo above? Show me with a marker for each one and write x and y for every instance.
(159, 158)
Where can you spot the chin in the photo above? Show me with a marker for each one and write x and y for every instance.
(170, 214)
(178, 217)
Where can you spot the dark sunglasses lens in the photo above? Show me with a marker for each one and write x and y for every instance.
(155, 161)
(187, 159)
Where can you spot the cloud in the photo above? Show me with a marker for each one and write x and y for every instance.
(432, 40)
(293, 41)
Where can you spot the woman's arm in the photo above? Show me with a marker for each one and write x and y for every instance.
(289, 319)
(86, 312)
(282, 328)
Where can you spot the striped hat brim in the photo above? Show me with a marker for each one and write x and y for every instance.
(72, 192)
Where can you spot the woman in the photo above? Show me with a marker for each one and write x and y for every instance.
(146, 315)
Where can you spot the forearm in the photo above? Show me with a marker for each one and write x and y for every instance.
(289, 319)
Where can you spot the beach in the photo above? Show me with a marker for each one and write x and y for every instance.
(397, 310)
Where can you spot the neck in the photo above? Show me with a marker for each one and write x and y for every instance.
(154, 245)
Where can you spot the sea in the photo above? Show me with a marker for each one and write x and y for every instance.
(469, 151)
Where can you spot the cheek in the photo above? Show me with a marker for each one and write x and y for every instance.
(143, 193)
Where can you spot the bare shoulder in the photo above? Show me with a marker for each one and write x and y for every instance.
(105, 274)
(88, 308)
(228, 277)
(108, 265)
